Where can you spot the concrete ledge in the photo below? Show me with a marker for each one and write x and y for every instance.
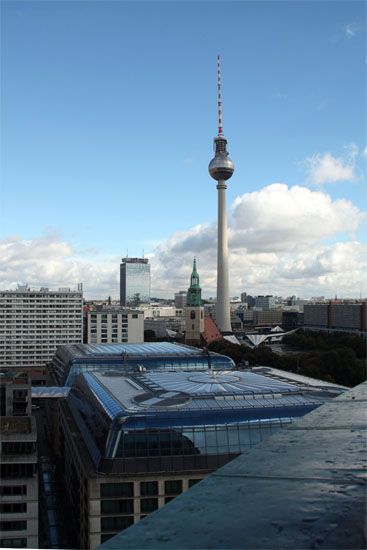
(303, 487)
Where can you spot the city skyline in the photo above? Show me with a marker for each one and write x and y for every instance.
(114, 131)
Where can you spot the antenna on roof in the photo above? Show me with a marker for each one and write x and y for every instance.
(220, 122)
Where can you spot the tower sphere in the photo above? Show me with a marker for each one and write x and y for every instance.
(221, 167)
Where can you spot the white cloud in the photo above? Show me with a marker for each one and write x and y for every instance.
(276, 237)
(350, 30)
(325, 168)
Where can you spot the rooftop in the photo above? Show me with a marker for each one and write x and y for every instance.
(304, 487)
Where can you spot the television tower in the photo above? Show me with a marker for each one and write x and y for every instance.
(221, 169)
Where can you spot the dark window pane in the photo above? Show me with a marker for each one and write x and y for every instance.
(148, 505)
(148, 488)
(117, 490)
(173, 487)
(193, 482)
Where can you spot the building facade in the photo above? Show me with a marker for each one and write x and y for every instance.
(265, 302)
(347, 316)
(115, 326)
(34, 323)
(181, 299)
(134, 281)
(18, 463)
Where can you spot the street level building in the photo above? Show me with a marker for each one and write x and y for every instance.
(108, 326)
(18, 463)
(134, 281)
(70, 361)
(132, 442)
(34, 323)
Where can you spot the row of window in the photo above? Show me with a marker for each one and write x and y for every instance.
(13, 507)
(147, 488)
(13, 543)
(14, 525)
(13, 490)
(17, 448)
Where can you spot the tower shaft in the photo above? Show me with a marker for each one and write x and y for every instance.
(223, 315)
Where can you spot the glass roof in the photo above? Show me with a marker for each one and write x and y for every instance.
(214, 382)
(153, 348)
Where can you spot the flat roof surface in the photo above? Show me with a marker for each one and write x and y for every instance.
(193, 391)
(303, 487)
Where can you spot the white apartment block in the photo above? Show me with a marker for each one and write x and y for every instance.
(115, 326)
(34, 323)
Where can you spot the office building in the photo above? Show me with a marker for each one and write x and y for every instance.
(270, 317)
(132, 442)
(34, 323)
(194, 310)
(70, 361)
(265, 302)
(18, 463)
(134, 281)
(108, 326)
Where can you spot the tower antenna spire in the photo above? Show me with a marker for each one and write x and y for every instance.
(220, 123)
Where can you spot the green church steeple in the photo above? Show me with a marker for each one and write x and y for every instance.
(194, 292)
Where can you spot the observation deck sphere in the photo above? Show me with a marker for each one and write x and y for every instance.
(221, 168)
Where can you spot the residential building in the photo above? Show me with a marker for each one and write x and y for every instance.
(34, 323)
(131, 442)
(134, 281)
(342, 316)
(108, 326)
(268, 317)
(194, 310)
(18, 463)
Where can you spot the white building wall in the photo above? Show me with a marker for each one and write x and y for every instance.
(109, 327)
(34, 323)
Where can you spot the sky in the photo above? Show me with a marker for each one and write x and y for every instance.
(108, 118)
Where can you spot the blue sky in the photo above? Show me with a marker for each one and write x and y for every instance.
(109, 111)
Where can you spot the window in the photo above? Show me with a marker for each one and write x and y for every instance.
(117, 523)
(117, 490)
(13, 525)
(12, 490)
(148, 505)
(168, 499)
(148, 488)
(13, 543)
(13, 507)
(105, 538)
(193, 482)
(192, 314)
(117, 506)
(173, 487)
(134, 316)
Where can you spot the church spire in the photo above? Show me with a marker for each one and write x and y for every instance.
(194, 292)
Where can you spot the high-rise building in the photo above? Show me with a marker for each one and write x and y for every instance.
(265, 302)
(18, 463)
(221, 169)
(181, 299)
(194, 310)
(108, 326)
(346, 316)
(134, 281)
(34, 323)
